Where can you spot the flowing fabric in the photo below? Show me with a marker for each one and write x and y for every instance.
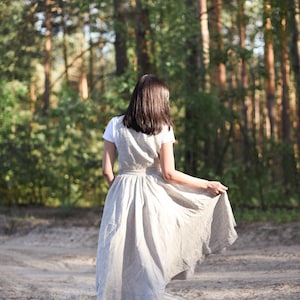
(152, 230)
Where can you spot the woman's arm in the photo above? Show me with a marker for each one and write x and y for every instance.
(171, 175)
(108, 159)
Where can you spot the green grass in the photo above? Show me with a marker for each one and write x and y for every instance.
(242, 214)
(276, 215)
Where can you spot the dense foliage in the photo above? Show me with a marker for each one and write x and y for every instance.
(68, 66)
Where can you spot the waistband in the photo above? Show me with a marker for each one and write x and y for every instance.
(144, 171)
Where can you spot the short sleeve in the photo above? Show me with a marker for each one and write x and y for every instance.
(167, 135)
(109, 133)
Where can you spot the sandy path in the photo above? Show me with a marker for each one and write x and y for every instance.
(51, 260)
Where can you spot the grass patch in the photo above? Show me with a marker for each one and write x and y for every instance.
(276, 215)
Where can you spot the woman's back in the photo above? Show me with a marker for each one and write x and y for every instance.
(136, 150)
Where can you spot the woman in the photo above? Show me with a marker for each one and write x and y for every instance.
(157, 221)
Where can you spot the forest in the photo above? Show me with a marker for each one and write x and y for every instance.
(67, 67)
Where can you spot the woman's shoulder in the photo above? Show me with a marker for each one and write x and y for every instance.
(117, 119)
(167, 134)
(167, 129)
(114, 124)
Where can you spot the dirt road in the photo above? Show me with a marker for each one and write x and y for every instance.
(46, 258)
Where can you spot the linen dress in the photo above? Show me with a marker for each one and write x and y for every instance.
(152, 230)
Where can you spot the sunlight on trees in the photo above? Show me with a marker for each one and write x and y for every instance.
(233, 68)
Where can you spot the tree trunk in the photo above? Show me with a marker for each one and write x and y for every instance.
(191, 87)
(243, 81)
(285, 70)
(64, 45)
(288, 163)
(218, 83)
(91, 56)
(204, 53)
(142, 44)
(47, 63)
(101, 66)
(101, 45)
(83, 83)
(120, 28)
(269, 69)
(217, 48)
(295, 51)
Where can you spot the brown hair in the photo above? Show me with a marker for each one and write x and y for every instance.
(149, 107)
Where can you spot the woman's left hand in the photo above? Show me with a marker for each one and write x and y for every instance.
(215, 188)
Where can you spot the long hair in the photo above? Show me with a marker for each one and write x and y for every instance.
(149, 107)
